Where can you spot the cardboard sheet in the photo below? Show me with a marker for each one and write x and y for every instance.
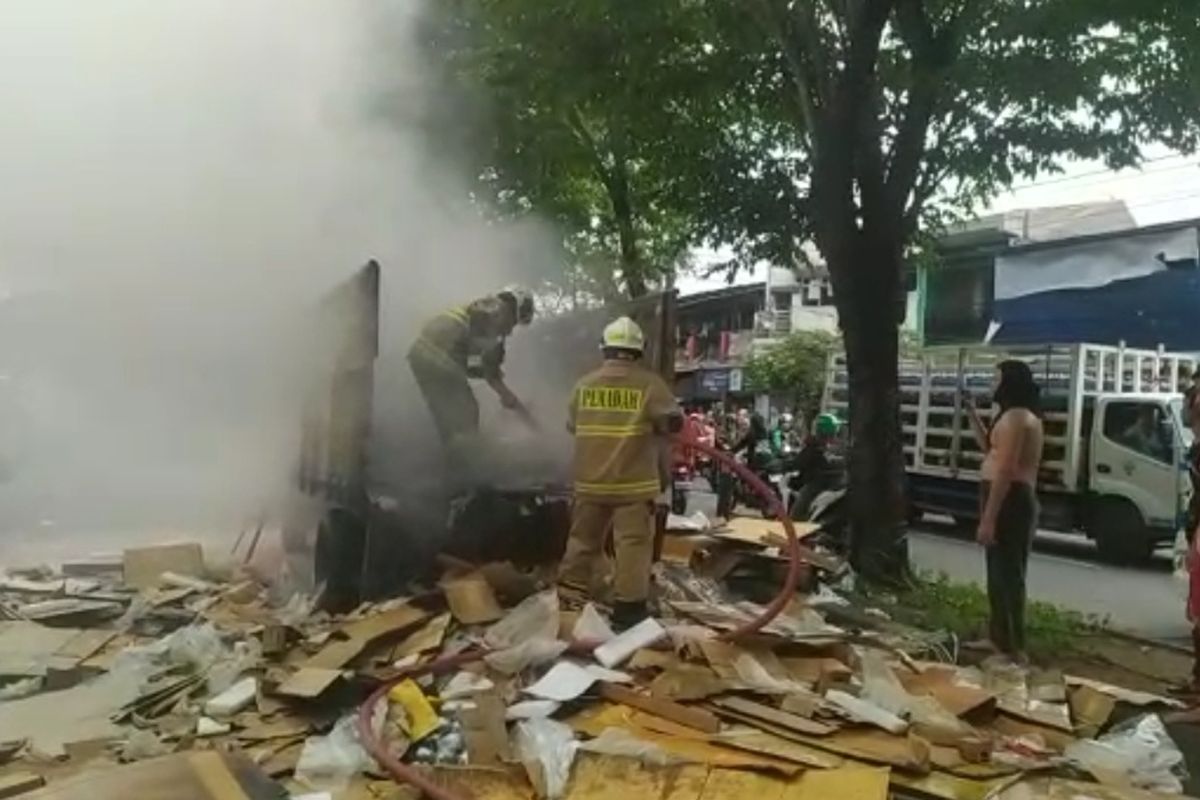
(747, 708)
(846, 783)
(27, 648)
(484, 730)
(763, 532)
(675, 739)
(308, 682)
(200, 775)
(425, 638)
(358, 635)
(471, 599)
(143, 565)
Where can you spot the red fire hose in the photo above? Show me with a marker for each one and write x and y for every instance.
(406, 773)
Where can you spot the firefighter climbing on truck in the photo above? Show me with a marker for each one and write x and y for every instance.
(462, 343)
(621, 415)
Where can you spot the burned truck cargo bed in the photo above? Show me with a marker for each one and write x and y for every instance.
(387, 501)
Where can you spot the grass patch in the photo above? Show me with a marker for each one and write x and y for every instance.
(935, 602)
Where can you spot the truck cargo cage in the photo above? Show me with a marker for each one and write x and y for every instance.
(936, 433)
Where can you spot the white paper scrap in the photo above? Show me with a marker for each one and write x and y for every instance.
(531, 709)
(565, 681)
(644, 634)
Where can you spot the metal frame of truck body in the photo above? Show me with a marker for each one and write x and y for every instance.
(938, 441)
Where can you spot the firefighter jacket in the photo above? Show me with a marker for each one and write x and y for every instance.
(620, 415)
(465, 339)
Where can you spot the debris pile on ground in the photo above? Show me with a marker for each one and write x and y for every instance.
(147, 676)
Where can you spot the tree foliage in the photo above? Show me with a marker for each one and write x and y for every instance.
(795, 367)
(906, 108)
(643, 129)
(614, 120)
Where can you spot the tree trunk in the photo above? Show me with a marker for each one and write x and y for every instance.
(867, 307)
(631, 261)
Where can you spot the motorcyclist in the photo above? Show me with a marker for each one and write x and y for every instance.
(816, 469)
(755, 444)
(783, 436)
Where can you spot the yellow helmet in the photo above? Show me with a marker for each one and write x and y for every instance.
(623, 334)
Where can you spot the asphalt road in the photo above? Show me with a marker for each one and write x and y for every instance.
(1065, 570)
(1144, 600)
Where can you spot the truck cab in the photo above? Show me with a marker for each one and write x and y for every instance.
(1136, 477)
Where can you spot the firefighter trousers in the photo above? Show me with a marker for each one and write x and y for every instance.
(633, 542)
(450, 400)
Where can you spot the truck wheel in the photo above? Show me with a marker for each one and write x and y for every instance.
(1120, 533)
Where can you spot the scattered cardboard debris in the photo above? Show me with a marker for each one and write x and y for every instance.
(275, 640)
(234, 699)
(471, 599)
(762, 532)
(681, 741)
(26, 648)
(19, 783)
(956, 697)
(92, 566)
(767, 717)
(757, 711)
(843, 783)
(143, 566)
(308, 682)
(196, 775)
(688, 682)
(426, 638)
(358, 635)
(1090, 709)
(699, 719)
(484, 730)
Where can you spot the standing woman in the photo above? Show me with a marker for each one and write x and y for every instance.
(1008, 499)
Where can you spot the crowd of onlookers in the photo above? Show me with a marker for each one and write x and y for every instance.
(744, 431)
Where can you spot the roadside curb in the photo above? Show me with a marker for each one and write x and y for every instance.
(1143, 641)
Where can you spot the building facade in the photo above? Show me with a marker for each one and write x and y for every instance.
(1139, 286)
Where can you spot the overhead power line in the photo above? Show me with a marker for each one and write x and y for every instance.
(1110, 174)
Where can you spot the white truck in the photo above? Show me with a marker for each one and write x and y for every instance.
(1113, 464)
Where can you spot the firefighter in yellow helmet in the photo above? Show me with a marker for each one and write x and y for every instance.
(467, 342)
(621, 415)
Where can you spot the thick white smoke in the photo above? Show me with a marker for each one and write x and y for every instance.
(179, 182)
